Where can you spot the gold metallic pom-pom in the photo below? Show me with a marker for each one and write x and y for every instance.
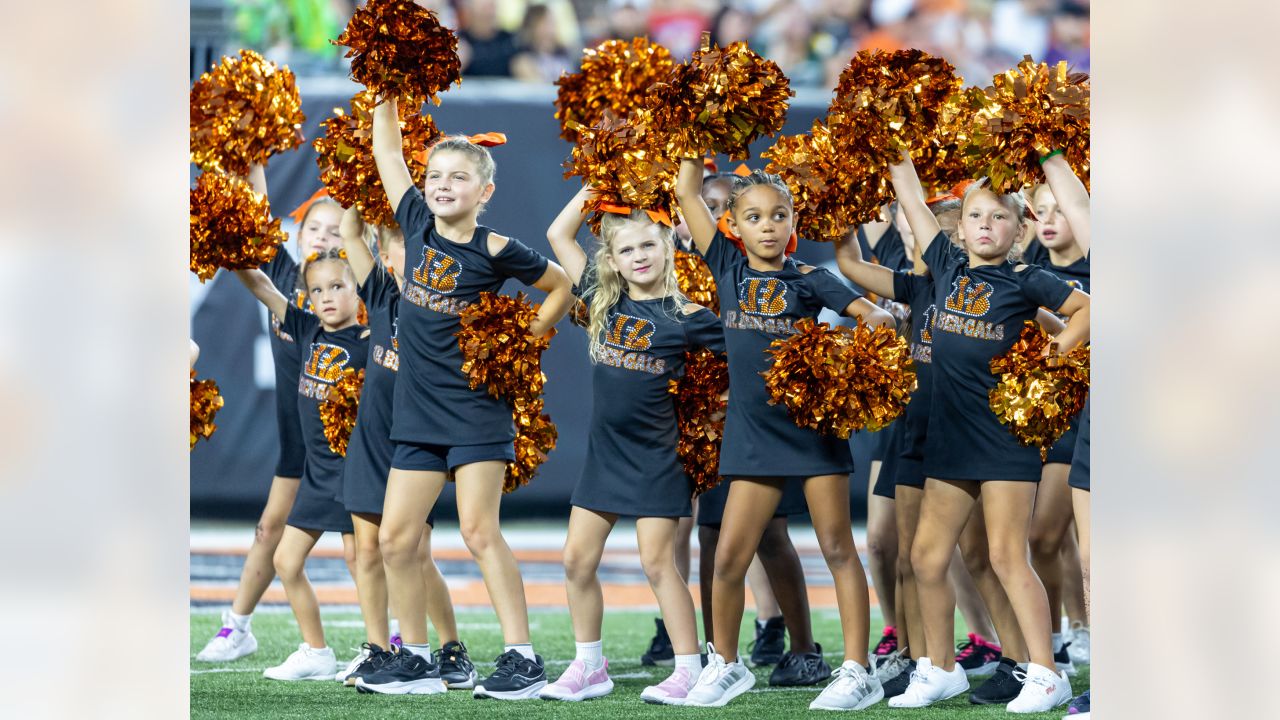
(831, 194)
(1038, 395)
(206, 401)
(1027, 112)
(243, 111)
(626, 163)
(231, 226)
(345, 156)
(696, 281)
(398, 47)
(700, 415)
(338, 410)
(949, 156)
(535, 437)
(839, 379)
(720, 101)
(615, 77)
(579, 314)
(498, 349)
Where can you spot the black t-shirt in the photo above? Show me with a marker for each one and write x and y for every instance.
(980, 314)
(917, 292)
(434, 403)
(756, 308)
(370, 449)
(890, 252)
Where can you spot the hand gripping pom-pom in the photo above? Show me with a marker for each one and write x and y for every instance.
(398, 47)
(614, 78)
(839, 379)
(206, 401)
(700, 416)
(345, 156)
(1038, 396)
(720, 101)
(338, 410)
(1026, 113)
(243, 111)
(231, 226)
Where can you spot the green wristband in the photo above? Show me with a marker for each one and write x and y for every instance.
(1045, 159)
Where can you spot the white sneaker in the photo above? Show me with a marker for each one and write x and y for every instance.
(1078, 650)
(931, 684)
(230, 643)
(719, 681)
(351, 666)
(892, 665)
(1042, 690)
(306, 663)
(852, 689)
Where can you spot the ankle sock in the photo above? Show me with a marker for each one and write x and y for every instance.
(591, 654)
(692, 662)
(423, 650)
(239, 622)
(525, 649)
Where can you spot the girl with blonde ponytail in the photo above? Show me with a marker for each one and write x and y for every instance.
(639, 328)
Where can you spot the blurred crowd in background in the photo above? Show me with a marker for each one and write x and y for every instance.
(812, 40)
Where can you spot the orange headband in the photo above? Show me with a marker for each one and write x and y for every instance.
(485, 139)
(658, 216)
(709, 164)
(301, 211)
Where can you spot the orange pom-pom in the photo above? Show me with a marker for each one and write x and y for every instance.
(243, 111)
(1038, 395)
(206, 401)
(614, 79)
(700, 415)
(831, 195)
(231, 226)
(398, 47)
(626, 164)
(696, 281)
(345, 156)
(839, 379)
(535, 437)
(338, 410)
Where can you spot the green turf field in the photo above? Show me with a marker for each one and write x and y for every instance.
(238, 690)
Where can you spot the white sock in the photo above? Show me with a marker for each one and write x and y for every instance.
(423, 650)
(525, 649)
(1023, 666)
(395, 626)
(591, 654)
(692, 662)
(1057, 642)
(239, 622)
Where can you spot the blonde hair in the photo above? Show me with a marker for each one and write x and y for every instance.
(605, 286)
(1014, 202)
(330, 255)
(486, 168)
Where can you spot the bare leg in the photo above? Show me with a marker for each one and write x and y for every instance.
(1008, 507)
(943, 513)
(290, 561)
(708, 539)
(882, 547)
(583, 547)
(911, 624)
(410, 496)
(758, 581)
(371, 579)
(747, 511)
(828, 497)
(436, 591)
(969, 600)
(259, 569)
(777, 555)
(977, 560)
(1073, 577)
(1080, 503)
(682, 548)
(479, 496)
(655, 536)
(1050, 521)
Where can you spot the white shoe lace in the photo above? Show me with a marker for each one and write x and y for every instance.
(1041, 680)
(714, 669)
(848, 680)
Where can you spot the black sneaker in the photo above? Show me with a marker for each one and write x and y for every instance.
(404, 673)
(1062, 659)
(770, 642)
(977, 656)
(456, 669)
(660, 651)
(375, 661)
(516, 678)
(897, 684)
(801, 669)
(1000, 688)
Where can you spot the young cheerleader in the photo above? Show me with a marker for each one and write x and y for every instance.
(368, 460)
(317, 233)
(439, 424)
(639, 330)
(334, 342)
(762, 444)
(982, 301)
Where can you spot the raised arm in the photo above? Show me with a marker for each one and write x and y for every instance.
(906, 185)
(702, 227)
(555, 283)
(359, 256)
(1072, 197)
(563, 235)
(867, 275)
(258, 179)
(388, 153)
(1076, 308)
(263, 289)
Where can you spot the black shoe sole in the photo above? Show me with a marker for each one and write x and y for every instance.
(985, 701)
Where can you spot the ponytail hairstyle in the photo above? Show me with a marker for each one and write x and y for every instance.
(331, 255)
(605, 285)
(742, 183)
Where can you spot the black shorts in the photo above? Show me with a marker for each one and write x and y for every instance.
(1079, 477)
(711, 503)
(441, 458)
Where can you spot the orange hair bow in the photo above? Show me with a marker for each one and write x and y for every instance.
(709, 164)
(658, 216)
(301, 211)
(793, 242)
(485, 139)
(742, 170)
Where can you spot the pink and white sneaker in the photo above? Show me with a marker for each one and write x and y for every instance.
(671, 691)
(575, 684)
